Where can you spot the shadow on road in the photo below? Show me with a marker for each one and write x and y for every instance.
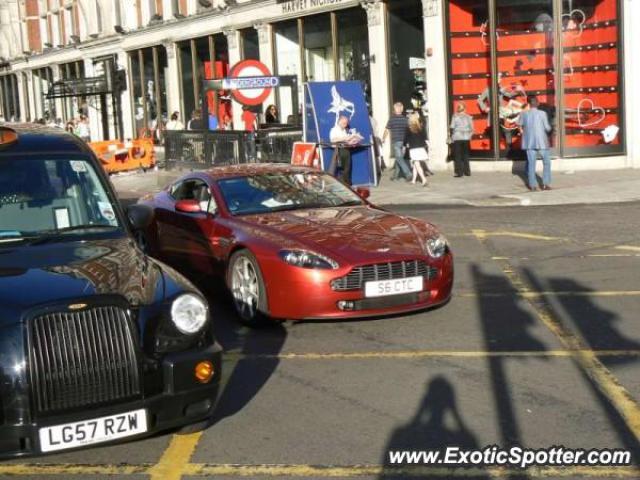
(436, 425)
(242, 377)
(596, 327)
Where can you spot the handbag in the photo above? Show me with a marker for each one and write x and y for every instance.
(418, 154)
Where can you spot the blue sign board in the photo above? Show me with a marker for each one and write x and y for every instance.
(325, 103)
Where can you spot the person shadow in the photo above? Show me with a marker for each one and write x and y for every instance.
(436, 425)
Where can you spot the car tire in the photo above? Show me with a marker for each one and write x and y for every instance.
(248, 293)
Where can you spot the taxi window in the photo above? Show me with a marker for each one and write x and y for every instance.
(42, 195)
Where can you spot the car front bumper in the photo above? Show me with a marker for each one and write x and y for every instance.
(299, 294)
(183, 401)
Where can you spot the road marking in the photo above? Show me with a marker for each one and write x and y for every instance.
(423, 354)
(175, 458)
(72, 469)
(527, 236)
(586, 358)
(628, 247)
(560, 293)
(314, 471)
(329, 471)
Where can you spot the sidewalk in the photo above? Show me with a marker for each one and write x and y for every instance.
(506, 189)
(479, 190)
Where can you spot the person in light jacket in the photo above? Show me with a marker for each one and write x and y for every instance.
(461, 132)
(535, 127)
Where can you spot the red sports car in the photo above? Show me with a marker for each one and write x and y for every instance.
(295, 243)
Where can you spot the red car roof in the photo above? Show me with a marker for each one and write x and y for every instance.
(249, 169)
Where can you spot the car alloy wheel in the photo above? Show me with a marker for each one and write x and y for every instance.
(245, 288)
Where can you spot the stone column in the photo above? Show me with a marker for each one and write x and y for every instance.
(59, 102)
(31, 95)
(437, 91)
(128, 128)
(22, 98)
(172, 79)
(233, 44)
(266, 56)
(379, 65)
(93, 106)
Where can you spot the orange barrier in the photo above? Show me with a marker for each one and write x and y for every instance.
(118, 156)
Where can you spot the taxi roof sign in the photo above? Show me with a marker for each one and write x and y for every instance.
(7, 136)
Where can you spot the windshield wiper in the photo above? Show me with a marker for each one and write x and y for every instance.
(50, 235)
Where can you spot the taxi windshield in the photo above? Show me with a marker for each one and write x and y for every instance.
(51, 197)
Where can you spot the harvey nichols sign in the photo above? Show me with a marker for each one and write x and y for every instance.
(295, 6)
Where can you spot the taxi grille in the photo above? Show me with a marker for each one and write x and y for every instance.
(357, 277)
(78, 359)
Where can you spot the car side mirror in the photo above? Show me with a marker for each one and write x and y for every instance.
(188, 206)
(140, 216)
(363, 193)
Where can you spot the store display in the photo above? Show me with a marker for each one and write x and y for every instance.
(526, 65)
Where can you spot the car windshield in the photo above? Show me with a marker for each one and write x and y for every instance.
(273, 192)
(42, 197)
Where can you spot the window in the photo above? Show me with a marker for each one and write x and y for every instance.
(250, 44)
(318, 48)
(582, 99)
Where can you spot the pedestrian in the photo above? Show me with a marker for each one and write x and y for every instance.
(174, 122)
(70, 127)
(415, 140)
(196, 122)
(271, 115)
(343, 140)
(396, 129)
(461, 132)
(535, 128)
(83, 130)
(250, 125)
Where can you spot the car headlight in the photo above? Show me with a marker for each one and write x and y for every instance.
(304, 259)
(189, 313)
(437, 246)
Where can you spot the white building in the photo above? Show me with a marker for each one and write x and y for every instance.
(575, 55)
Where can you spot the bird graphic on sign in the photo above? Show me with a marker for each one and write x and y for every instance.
(339, 105)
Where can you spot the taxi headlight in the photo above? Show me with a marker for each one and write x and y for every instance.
(437, 246)
(189, 313)
(305, 259)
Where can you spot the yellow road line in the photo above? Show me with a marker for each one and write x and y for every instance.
(426, 354)
(329, 471)
(281, 471)
(586, 358)
(175, 458)
(630, 248)
(35, 469)
(527, 236)
(561, 293)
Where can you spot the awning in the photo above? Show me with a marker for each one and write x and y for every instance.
(83, 87)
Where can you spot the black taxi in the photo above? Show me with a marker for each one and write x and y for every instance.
(98, 342)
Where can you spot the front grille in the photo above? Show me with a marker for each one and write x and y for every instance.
(357, 277)
(79, 359)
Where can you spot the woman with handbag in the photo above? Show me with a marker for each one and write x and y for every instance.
(461, 132)
(415, 139)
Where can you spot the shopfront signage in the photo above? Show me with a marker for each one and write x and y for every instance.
(298, 6)
(250, 82)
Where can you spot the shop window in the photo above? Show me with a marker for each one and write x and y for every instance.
(591, 63)
(525, 59)
(582, 99)
(470, 67)
(250, 44)
(318, 48)
(287, 45)
(406, 50)
(353, 46)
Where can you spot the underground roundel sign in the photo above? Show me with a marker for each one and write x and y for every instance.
(250, 82)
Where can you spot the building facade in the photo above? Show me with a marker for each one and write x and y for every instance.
(128, 64)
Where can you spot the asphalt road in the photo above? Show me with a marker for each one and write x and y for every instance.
(540, 346)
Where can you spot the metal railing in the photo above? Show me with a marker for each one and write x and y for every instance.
(191, 149)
